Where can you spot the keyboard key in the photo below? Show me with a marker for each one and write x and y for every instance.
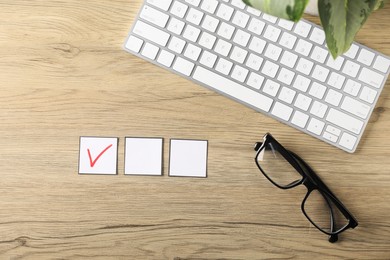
(226, 31)
(194, 16)
(286, 24)
(224, 66)
(333, 130)
(191, 33)
(151, 33)
(318, 109)
(286, 76)
(366, 57)
(183, 66)
(233, 89)
(176, 26)
(162, 4)
(351, 68)
(272, 33)
(257, 45)
(330, 137)
(239, 73)
(315, 126)
(351, 53)
(192, 52)
(304, 66)
(352, 87)
(348, 141)
(355, 107)
(269, 18)
(345, 121)
(193, 2)
(300, 119)
(241, 38)
(303, 47)
(301, 83)
(253, 11)
(176, 45)
(238, 54)
(223, 47)
(288, 40)
(289, 59)
(134, 43)
(319, 54)
(256, 26)
(271, 88)
(254, 62)
(287, 95)
(282, 111)
(208, 59)
(368, 95)
(154, 16)
(238, 3)
(270, 69)
(320, 73)
(179, 9)
(255, 80)
(302, 28)
(209, 6)
(165, 58)
(371, 77)
(336, 80)
(210, 23)
(225, 12)
(333, 97)
(273, 52)
(382, 64)
(303, 102)
(317, 90)
(335, 63)
(240, 19)
(150, 51)
(207, 40)
(317, 36)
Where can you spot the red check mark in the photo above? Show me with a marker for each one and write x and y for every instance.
(92, 162)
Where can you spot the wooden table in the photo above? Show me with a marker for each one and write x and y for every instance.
(64, 74)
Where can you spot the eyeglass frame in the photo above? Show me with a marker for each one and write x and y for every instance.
(311, 181)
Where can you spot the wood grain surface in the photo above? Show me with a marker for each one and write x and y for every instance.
(64, 74)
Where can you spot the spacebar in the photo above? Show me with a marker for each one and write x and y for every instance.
(232, 89)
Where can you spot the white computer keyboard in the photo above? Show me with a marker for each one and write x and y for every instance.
(272, 65)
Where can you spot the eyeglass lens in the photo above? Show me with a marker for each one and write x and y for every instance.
(323, 213)
(276, 167)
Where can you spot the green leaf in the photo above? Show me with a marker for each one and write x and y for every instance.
(380, 4)
(287, 9)
(342, 19)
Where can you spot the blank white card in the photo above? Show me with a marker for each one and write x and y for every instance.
(143, 156)
(188, 158)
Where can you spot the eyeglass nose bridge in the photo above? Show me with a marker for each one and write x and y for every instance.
(257, 145)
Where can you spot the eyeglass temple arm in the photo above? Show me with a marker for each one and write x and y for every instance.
(257, 146)
(332, 238)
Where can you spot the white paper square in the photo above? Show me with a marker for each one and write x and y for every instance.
(98, 155)
(143, 156)
(188, 158)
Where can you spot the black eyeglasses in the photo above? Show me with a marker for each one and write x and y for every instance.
(287, 170)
